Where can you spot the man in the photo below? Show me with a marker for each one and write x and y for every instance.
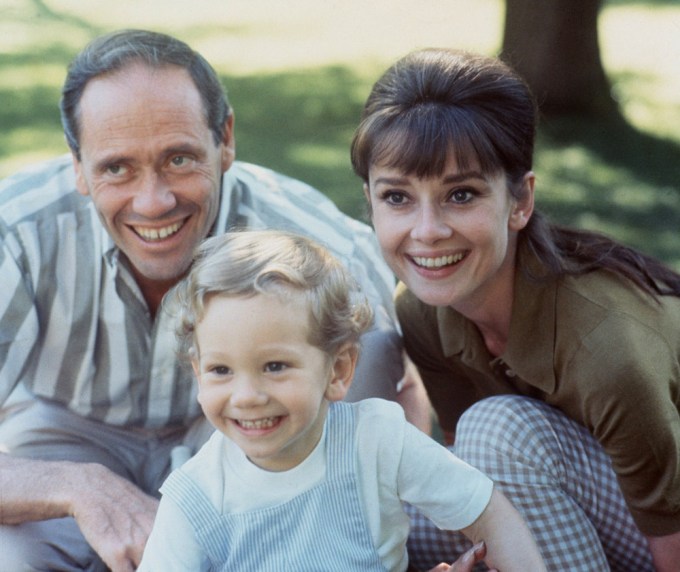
(90, 245)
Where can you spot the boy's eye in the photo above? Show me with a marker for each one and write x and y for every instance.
(274, 366)
(220, 370)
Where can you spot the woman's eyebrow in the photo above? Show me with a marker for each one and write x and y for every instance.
(453, 178)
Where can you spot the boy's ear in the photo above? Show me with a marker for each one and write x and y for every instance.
(342, 372)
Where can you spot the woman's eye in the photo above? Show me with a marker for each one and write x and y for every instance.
(394, 198)
(461, 196)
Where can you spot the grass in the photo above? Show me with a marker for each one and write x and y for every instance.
(298, 72)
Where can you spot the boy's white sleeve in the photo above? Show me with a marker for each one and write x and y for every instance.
(172, 546)
(450, 492)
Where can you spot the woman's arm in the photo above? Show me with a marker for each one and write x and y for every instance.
(665, 552)
(510, 545)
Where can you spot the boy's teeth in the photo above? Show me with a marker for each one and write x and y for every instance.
(438, 261)
(265, 423)
(158, 233)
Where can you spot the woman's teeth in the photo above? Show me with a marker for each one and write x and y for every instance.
(158, 233)
(437, 262)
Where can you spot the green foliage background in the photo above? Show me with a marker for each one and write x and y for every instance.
(298, 72)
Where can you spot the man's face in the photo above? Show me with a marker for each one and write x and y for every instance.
(150, 164)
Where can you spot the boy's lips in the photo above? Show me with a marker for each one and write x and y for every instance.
(262, 423)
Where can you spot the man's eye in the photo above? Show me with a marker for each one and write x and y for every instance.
(179, 160)
(116, 170)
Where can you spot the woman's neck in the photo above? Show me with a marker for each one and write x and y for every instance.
(491, 310)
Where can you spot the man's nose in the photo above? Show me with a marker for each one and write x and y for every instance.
(153, 196)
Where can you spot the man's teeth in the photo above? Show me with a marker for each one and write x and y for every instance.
(265, 423)
(438, 261)
(158, 233)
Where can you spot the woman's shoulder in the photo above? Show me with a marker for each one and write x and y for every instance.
(600, 301)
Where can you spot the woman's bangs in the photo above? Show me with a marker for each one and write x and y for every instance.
(421, 141)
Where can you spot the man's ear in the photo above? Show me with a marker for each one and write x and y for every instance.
(524, 206)
(342, 372)
(228, 143)
(81, 183)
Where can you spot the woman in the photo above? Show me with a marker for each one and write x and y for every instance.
(575, 335)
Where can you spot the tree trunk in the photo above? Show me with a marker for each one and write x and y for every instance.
(554, 45)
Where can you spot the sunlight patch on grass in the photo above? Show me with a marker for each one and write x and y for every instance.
(640, 48)
(33, 75)
(319, 155)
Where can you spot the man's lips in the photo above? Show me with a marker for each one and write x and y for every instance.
(156, 234)
(435, 262)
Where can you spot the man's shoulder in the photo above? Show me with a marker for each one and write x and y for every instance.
(58, 171)
(271, 199)
(269, 189)
(264, 178)
(43, 186)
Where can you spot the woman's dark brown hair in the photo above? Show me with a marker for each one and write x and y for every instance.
(437, 103)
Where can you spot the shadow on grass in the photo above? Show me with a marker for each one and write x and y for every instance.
(625, 183)
(627, 186)
(301, 123)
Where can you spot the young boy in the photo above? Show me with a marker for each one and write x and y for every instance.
(293, 479)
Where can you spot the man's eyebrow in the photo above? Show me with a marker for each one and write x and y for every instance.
(105, 162)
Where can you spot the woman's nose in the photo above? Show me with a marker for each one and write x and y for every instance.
(430, 225)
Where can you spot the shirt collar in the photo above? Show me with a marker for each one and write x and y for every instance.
(531, 342)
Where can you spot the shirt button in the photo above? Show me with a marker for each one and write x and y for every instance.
(510, 373)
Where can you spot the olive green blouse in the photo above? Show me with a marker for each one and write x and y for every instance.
(593, 346)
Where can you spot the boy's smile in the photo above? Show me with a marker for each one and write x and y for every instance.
(261, 382)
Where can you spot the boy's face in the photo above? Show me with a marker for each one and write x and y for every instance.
(261, 382)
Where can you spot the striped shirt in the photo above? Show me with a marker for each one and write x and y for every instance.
(74, 326)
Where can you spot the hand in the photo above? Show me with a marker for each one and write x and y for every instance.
(466, 562)
(114, 516)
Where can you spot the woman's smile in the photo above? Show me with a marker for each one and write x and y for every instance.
(449, 237)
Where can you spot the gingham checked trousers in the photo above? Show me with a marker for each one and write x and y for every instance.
(560, 479)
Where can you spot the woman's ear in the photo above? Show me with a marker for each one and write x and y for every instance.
(367, 195)
(342, 372)
(524, 205)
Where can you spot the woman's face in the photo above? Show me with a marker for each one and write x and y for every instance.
(451, 238)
